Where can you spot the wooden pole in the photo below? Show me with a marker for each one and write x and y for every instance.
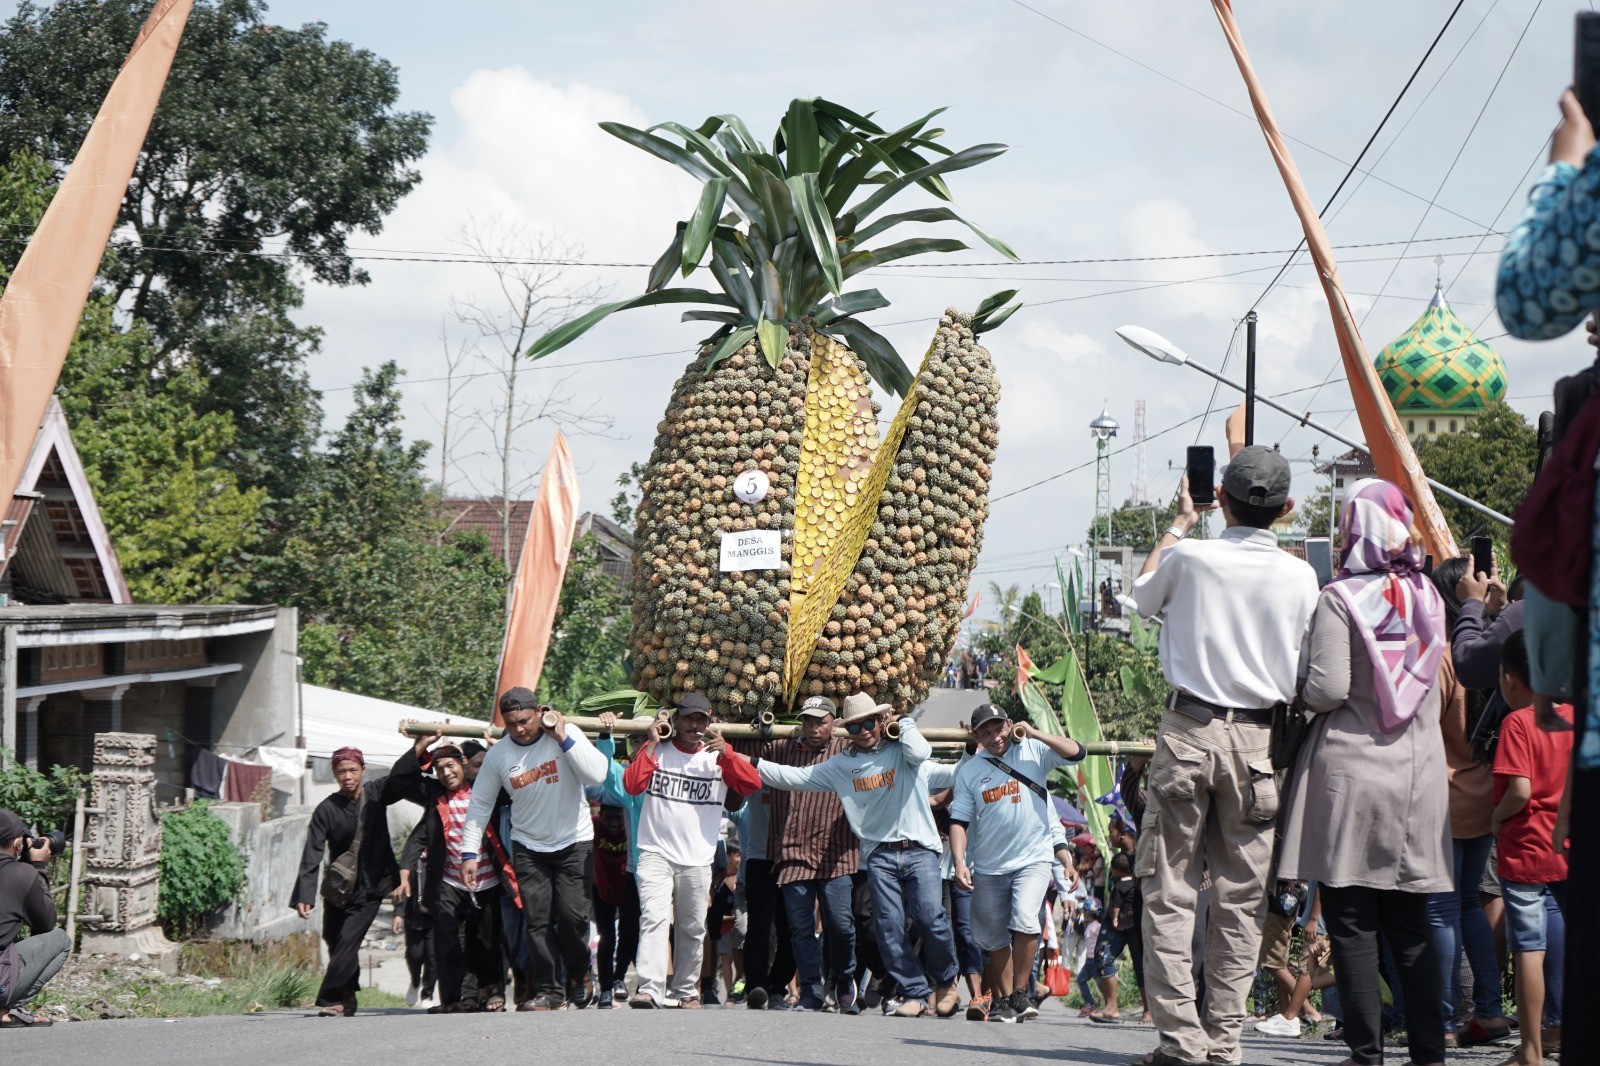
(732, 731)
(76, 872)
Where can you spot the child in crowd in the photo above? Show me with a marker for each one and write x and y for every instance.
(1530, 767)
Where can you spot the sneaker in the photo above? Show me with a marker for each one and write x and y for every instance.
(413, 993)
(781, 1001)
(810, 1003)
(619, 991)
(911, 1008)
(1022, 1006)
(756, 999)
(848, 1002)
(606, 1003)
(581, 993)
(1002, 1012)
(946, 1000)
(978, 1009)
(1278, 1025)
(708, 994)
(889, 1005)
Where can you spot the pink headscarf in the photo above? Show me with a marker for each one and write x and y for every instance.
(1397, 611)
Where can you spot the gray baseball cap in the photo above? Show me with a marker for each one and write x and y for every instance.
(1258, 476)
(818, 706)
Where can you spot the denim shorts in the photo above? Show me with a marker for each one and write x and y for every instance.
(1525, 915)
(1008, 903)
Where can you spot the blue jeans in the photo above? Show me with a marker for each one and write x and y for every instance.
(905, 885)
(968, 956)
(800, 900)
(1459, 925)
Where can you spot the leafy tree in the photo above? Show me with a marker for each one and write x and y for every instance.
(385, 610)
(177, 516)
(626, 501)
(590, 640)
(1491, 461)
(1138, 525)
(268, 140)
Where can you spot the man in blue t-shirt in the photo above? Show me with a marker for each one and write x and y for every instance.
(1001, 806)
(883, 783)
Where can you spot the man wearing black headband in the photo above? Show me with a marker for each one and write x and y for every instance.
(466, 915)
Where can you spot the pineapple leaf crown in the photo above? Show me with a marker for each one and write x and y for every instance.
(784, 227)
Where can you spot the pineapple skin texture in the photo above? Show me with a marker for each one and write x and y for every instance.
(697, 629)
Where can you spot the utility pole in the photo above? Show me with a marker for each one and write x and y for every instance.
(1250, 378)
(1103, 428)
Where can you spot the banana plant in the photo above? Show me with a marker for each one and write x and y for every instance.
(783, 227)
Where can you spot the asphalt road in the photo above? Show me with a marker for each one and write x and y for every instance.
(728, 1035)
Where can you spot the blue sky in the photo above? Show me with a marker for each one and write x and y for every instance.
(1109, 159)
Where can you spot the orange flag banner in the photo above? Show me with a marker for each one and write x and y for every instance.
(44, 300)
(546, 548)
(1392, 454)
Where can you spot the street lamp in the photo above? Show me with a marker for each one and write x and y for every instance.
(1162, 350)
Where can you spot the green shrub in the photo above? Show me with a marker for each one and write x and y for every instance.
(45, 800)
(201, 870)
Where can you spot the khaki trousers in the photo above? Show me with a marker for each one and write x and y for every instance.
(1210, 808)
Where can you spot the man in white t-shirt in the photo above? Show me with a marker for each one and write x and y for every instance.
(685, 783)
(1001, 808)
(544, 771)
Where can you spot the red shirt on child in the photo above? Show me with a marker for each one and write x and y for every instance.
(1525, 750)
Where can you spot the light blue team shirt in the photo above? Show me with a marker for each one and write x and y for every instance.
(611, 789)
(884, 792)
(1008, 825)
(752, 820)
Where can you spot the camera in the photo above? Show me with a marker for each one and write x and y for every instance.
(55, 840)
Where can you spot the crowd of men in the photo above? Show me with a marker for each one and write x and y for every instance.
(868, 873)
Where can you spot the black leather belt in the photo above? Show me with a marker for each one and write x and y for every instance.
(1205, 711)
(901, 845)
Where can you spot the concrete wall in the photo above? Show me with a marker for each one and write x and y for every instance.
(260, 704)
(272, 862)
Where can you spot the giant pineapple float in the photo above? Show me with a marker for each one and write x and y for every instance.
(857, 546)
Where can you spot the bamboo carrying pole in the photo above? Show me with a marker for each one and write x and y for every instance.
(762, 730)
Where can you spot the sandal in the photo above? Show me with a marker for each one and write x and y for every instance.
(494, 1004)
(1100, 1018)
(691, 1003)
(331, 1010)
(21, 1019)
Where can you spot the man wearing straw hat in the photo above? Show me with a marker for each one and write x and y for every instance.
(884, 783)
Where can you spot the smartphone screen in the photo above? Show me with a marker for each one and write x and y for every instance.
(1482, 555)
(1202, 470)
(1586, 63)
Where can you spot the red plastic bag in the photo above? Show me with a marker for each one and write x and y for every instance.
(1057, 978)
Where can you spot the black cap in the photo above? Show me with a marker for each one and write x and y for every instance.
(471, 748)
(1258, 476)
(986, 712)
(518, 699)
(692, 703)
(11, 827)
(817, 706)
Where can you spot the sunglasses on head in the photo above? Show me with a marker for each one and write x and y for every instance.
(856, 727)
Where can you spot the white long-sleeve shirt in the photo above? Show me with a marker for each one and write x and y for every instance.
(545, 781)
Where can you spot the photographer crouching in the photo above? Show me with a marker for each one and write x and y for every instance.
(25, 966)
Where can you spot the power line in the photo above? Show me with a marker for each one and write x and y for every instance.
(1364, 149)
(380, 255)
(1224, 104)
(1091, 462)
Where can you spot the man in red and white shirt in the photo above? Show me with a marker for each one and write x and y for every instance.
(685, 784)
(466, 916)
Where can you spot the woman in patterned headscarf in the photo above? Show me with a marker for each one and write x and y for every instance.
(1367, 814)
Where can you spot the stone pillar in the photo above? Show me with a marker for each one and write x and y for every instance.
(28, 732)
(123, 849)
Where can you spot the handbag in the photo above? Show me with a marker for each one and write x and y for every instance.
(1057, 978)
(343, 876)
(1289, 725)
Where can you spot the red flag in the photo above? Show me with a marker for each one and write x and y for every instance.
(1024, 668)
(977, 598)
(1391, 449)
(44, 299)
(543, 566)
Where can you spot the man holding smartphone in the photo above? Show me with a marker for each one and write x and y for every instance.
(1235, 613)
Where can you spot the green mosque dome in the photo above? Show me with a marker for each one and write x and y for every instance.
(1439, 366)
